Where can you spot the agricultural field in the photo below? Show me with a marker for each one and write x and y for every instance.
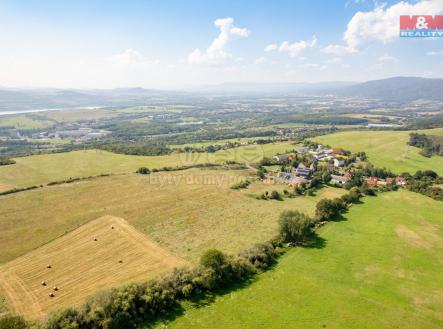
(77, 115)
(101, 254)
(24, 122)
(150, 109)
(387, 149)
(186, 212)
(42, 169)
(379, 267)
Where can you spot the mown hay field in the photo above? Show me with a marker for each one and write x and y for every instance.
(186, 212)
(387, 149)
(380, 267)
(42, 169)
(101, 254)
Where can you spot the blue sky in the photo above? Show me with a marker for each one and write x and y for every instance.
(178, 44)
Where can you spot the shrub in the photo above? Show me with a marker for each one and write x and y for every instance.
(143, 171)
(64, 319)
(260, 255)
(294, 226)
(275, 195)
(6, 161)
(213, 259)
(12, 322)
(241, 185)
(327, 209)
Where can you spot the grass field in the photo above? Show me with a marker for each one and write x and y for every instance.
(218, 142)
(387, 149)
(378, 268)
(99, 255)
(41, 169)
(24, 121)
(187, 212)
(77, 115)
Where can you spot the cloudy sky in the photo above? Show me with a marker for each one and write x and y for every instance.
(180, 44)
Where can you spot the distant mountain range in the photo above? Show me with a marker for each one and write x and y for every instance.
(257, 87)
(402, 89)
(396, 89)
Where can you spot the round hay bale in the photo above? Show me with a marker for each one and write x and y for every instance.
(55, 288)
(112, 227)
(48, 266)
(95, 239)
(43, 283)
(120, 261)
(51, 294)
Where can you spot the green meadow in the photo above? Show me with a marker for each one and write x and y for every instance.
(24, 122)
(41, 169)
(387, 149)
(379, 267)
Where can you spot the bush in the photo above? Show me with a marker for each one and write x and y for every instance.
(213, 259)
(294, 226)
(6, 161)
(327, 209)
(241, 185)
(275, 195)
(143, 171)
(12, 322)
(261, 256)
(64, 319)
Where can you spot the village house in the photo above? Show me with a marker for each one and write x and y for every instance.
(337, 150)
(399, 181)
(283, 157)
(340, 180)
(371, 181)
(338, 162)
(303, 171)
(302, 151)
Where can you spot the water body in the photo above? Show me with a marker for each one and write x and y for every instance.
(45, 110)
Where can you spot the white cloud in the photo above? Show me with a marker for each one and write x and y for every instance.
(335, 60)
(271, 47)
(260, 60)
(293, 49)
(314, 66)
(435, 53)
(131, 57)
(217, 53)
(380, 25)
(387, 58)
(337, 50)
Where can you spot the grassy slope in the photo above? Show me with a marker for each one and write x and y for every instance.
(24, 122)
(387, 149)
(41, 169)
(381, 268)
(188, 213)
(76, 115)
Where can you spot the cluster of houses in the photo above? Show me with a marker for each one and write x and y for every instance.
(82, 133)
(379, 182)
(303, 174)
(335, 161)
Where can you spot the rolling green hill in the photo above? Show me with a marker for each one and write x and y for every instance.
(387, 149)
(378, 268)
